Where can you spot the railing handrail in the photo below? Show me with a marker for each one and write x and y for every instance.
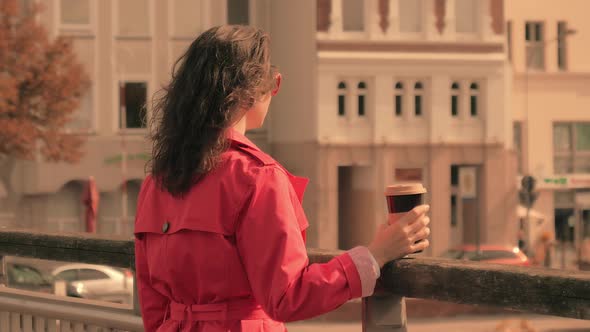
(538, 290)
(113, 315)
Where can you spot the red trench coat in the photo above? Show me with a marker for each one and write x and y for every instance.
(231, 256)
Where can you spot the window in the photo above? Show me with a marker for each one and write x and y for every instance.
(399, 92)
(583, 137)
(74, 12)
(455, 99)
(410, 16)
(133, 17)
(473, 99)
(132, 98)
(561, 45)
(509, 40)
(453, 210)
(23, 275)
(238, 12)
(582, 153)
(67, 275)
(82, 118)
(362, 91)
(564, 221)
(353, 13)
(535, 47)
(466, 14)
(571, 148)
(418, 99)
(454, 175)
(90, 274)
(562, 137)
(517, 133)
(341, 99)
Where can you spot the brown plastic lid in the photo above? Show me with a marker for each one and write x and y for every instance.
(405, 189)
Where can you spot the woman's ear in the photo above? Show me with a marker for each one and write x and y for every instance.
(279, 79)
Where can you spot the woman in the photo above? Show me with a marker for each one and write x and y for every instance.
(220, 231)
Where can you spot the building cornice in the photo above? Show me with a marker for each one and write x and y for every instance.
(410, 46)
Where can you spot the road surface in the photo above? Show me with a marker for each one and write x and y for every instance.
(466, 324)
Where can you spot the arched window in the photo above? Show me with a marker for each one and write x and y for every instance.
(341, 99)
(473, 99)
(399, 93)
(362, 93)
(418, 90)
(455, 99)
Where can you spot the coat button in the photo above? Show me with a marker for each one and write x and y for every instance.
(165, 227)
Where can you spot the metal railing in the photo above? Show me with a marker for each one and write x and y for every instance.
(535, 290)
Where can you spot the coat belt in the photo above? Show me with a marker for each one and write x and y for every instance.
(230, 310)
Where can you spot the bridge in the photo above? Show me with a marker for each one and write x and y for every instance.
(534, 290)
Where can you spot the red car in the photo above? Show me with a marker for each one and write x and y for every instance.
(496, 254)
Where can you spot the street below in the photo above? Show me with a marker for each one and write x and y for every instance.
(496, 323)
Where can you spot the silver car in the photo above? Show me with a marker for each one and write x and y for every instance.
(96, 282)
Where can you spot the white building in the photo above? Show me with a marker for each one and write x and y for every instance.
(385, 91)
(548, 49)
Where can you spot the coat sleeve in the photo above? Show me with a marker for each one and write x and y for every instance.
(275, 258)
(153, 304)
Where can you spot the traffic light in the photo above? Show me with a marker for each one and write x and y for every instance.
(527, 193)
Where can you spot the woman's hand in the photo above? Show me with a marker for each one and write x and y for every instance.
(395, 240)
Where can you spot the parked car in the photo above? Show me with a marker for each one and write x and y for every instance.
(23, 276)
(497, 254)
(97, 282)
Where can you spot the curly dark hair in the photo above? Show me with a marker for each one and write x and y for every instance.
(223, 72)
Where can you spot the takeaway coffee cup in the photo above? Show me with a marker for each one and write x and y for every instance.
(402, 198)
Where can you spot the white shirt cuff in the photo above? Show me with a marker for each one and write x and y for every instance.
(367, 267)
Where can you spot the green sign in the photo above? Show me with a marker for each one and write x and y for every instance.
(558, 181)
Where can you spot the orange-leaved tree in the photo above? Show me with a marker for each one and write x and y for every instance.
(41, 84)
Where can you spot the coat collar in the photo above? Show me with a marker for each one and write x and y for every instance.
(240, 139)
(298, 183)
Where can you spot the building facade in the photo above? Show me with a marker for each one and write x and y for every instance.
(128, 48)
(375, 92)
(387, 91)
(548, 50)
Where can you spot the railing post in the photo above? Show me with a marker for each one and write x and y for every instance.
(3, 276)
(136, 307)
(384, 313)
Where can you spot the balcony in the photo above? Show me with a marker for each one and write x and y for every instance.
(546, 292)
(456, 21)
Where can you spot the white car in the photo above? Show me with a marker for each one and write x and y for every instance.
(97, 282)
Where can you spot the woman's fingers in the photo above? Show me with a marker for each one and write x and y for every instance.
(422, 245)
(418, 225)
(415, 214)
(420, 235)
